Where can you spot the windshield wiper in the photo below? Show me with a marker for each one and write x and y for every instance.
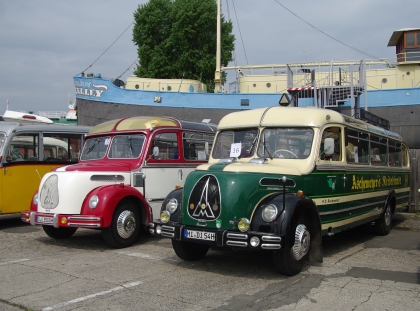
(265, 148)
(250, 149)
(93, 146)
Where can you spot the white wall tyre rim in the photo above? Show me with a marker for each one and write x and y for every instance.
(126, 224)
(302, 242)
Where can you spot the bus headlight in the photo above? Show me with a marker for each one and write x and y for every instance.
(172, 205)
(165, 216)
(269, 213)
(243, 224)
(93, 201)
(35, 199)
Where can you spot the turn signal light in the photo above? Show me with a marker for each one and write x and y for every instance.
(300, 194)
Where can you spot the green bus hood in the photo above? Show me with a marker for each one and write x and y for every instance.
(218, 198)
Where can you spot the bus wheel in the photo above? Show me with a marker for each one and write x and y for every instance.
(189, 251)
(59, 233)
(383, 224)
(290, 261)
(125, 226)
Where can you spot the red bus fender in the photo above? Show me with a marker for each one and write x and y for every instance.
(109, 197)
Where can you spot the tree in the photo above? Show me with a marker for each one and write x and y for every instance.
(177, 39)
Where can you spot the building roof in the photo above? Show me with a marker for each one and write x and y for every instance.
(397, 34)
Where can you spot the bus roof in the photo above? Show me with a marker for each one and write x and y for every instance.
(296, 116)
(284, 116)
(8, 127)
(149, 122)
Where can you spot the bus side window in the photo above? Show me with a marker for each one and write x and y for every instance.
(194, 145)
(167, 144)
(23, 147)
(357, 147)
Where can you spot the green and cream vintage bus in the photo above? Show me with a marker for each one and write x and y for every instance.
(280, 178)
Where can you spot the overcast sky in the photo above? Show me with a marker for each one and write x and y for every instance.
(44, 43)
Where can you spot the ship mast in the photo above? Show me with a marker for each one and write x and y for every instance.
(217, 74)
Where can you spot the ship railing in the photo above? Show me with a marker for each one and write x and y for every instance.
(52, 114)
(412, 55)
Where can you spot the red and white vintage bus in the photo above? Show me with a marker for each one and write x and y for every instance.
(126, 169)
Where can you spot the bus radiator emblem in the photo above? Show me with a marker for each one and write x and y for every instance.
(204, 201)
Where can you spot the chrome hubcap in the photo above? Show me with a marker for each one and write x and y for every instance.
(126, 224)
(388, 216)
(302, 242)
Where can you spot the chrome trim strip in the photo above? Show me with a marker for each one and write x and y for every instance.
(270, 246)
(237, 243)
(167, 234)
(172, 229)
(348, 167)
(156, 200)
(83, 225)
(84, 218)
(237, 236)
(271, 238)
(351, 208)
(184, 164)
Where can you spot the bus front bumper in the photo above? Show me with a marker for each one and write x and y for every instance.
(61, 220)
(221, 238)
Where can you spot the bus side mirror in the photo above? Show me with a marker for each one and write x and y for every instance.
(155, 152)
(206, 147)
(329, 146)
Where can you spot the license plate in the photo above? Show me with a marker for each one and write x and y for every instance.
(200, 235)
(44, 220)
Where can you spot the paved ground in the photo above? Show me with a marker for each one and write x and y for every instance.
(361, 271)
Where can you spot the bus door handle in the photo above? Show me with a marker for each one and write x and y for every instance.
(345, 178)
(5, 170)
(180, 174)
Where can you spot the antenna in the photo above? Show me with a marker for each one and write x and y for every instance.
(36, 170)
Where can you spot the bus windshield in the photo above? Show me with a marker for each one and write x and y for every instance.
(286, 143)
(245, 137)
(121, 146)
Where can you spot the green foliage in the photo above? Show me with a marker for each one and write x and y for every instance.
(177, 39)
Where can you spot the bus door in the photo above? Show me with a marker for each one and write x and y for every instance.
(333, 179)
(20, 175)
(163, 171)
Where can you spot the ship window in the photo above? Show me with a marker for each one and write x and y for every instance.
(410, 39)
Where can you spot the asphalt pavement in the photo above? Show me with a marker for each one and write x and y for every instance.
(361, 271)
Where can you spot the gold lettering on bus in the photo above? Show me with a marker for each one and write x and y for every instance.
(360, 183)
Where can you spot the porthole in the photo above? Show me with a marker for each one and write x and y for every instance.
(169, 88)
(408, 73)
(384, 80)
(268, 84)
(136, 86)
(254, 85)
